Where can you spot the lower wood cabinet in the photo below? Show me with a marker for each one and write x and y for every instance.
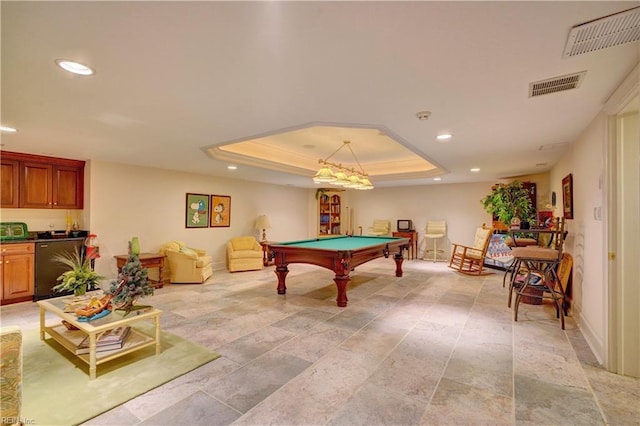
(17, 272)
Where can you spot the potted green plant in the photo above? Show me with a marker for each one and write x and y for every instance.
(509, 201)
(80, 276)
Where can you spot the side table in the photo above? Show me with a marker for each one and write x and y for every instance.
(413, 241)
(147, 260)
(265, 257)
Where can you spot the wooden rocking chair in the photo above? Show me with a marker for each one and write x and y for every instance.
(470, 259)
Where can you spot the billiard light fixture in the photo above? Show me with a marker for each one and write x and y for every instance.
(336, 174)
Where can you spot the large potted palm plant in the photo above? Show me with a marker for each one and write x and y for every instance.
(510, 204)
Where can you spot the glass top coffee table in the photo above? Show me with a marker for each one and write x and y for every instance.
(70, 339)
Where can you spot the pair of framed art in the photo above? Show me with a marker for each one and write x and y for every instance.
(204, 211)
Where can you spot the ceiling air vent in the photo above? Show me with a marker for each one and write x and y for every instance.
(556, 84)
(612, 30)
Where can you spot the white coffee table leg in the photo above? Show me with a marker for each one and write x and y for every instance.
(157, 323)
(92, 356)
(42, 311)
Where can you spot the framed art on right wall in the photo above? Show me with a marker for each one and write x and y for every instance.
(567, 196)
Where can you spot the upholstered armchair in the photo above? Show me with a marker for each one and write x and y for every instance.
(380, 228)
(244, 254)
(11, 375)
(186, 265)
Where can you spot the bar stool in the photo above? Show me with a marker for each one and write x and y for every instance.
(514, 266)
(536, 273)
(435, 229)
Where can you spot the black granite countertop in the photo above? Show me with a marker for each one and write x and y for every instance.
(46, 236)
(43, 240)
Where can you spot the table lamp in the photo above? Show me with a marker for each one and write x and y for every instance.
(262, 223)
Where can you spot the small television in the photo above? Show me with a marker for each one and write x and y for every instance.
(405, 225)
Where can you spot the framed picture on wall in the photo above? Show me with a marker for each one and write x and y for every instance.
(197, 211)
(567, 196)
(220, 211)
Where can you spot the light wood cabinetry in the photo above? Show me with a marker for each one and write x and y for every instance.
(17, 274)
(330, 214)
(42, 182)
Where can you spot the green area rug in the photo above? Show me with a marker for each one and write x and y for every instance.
(56, 389)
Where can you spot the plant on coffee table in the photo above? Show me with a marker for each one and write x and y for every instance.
(80, 276)
(136, 285)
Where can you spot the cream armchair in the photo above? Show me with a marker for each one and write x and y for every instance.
(186, 265)
(380, 228)
(244, 254)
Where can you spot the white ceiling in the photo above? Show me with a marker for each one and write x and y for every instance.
(175, 78)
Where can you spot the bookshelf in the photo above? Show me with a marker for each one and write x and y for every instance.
(329, 214)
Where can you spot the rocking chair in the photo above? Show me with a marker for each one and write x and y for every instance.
(470, 259)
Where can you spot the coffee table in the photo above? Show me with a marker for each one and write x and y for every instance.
(70, 339)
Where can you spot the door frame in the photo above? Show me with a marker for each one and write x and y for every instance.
(623, 297)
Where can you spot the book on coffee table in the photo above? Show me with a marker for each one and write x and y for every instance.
(107, 341)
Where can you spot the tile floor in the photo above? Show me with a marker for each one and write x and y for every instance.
(432, 347)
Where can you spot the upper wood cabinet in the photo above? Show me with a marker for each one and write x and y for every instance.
(9, 179)
(43, 182)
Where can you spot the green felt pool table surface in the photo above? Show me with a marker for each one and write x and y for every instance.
(342, 242)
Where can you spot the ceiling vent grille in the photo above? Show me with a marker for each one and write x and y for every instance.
(612, 30)
(556, 84)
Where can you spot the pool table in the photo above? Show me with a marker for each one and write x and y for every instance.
(339, 254)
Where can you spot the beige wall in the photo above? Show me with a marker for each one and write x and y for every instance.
(458, 204)
(41, 219)
(585, 241)
(127, 201)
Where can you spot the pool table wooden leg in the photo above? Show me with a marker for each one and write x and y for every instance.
(398, 258)
(341, 282)
(281, 272)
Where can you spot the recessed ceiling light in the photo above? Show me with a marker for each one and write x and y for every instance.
(475, 170)
(74, 67)
(232, 167)
(442, 137)
(8, 129)
(437, 178)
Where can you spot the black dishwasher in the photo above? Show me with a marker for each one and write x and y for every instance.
(48, 270)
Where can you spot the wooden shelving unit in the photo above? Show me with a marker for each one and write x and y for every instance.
(329, 214)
